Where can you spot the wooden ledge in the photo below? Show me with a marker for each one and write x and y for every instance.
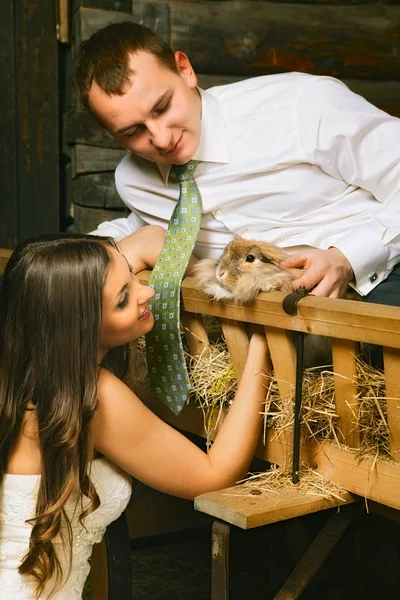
(333, 317)
(237, 506)
(5, 254)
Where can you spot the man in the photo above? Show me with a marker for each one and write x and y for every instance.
(293, 159)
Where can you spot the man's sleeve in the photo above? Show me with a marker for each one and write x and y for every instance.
(352, 140)
(120, 228)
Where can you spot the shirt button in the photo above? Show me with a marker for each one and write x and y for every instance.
(373, 277)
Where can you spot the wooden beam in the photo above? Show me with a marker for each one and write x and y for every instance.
(8, 130)
(227, 37)
(360, 41)
(37, 156)
(88, 159)
(96, 190)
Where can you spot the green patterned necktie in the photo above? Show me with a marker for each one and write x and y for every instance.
(165, 359)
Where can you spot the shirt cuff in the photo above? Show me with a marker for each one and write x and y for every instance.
(117, 229)
(367, 256)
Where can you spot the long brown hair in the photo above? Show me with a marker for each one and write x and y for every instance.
(104, 58)
(50, 336)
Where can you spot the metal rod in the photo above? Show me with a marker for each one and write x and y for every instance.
(297, 405)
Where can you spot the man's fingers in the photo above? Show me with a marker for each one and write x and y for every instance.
(296, 260)
(308, 280)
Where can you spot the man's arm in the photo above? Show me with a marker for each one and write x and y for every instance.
(120, 228)
(142, 248)
(352, 140)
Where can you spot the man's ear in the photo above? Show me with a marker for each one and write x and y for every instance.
(185, 68)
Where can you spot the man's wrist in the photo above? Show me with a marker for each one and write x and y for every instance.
(348, 269)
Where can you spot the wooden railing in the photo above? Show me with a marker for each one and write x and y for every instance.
(346, 322)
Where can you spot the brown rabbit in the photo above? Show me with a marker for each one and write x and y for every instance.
(245, 268)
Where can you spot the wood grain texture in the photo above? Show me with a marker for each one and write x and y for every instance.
(236, 506)
(344, 354)
(337, 318)
(360, 41)
(237, 341)
(8, 130)
(37, 156)
(96, 190)
(392, 392)
(89, 159)
(264, 37)
(324, 2)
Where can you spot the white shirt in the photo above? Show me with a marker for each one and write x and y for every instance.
(294, 159)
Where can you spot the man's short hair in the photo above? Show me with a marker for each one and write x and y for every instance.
(104, 58)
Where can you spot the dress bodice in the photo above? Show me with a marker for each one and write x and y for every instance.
(18, 495)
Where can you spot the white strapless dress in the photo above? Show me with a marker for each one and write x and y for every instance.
(17, 504)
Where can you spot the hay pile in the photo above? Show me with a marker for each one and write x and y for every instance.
(276, 478)
(214, 385)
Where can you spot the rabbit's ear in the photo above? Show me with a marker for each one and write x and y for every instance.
(271, 252)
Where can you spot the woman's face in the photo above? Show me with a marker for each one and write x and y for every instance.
(126, 312)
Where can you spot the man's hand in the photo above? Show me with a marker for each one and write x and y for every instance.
(327, 272)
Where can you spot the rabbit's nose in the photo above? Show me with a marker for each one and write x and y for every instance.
(220, 273)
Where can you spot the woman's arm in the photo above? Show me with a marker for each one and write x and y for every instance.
(138, 441)
(142, 248)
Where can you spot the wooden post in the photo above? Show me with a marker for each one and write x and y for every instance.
(346, 401)
(391, 358)
(238, 344)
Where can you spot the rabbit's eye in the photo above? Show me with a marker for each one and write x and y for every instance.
(250, 258)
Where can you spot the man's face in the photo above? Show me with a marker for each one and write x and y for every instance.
(159, 115)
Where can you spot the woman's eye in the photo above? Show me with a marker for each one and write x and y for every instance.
(124, 301)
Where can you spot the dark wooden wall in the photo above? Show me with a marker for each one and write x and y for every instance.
(357, 41)
(29, 120)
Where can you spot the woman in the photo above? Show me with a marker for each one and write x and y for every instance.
(69, 306)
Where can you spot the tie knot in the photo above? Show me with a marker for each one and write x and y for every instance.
(185, 172)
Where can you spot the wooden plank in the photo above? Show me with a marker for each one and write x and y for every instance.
(325, 2)
(99, 579)
(88, 159)
(37, 156)
(238, 506)
(80, 127)
(346, 401)
(283, 355)
(237, 340)
(88, 219)
(195, 334)
(346, 41)
(115, 5)
(96, 190)
(391, 359)
(63, 21)
(4, 256)
(89, 20)
(337, 318)
(383, 94)
(8, 130)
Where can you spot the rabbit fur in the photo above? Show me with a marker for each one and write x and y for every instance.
(245, 268)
